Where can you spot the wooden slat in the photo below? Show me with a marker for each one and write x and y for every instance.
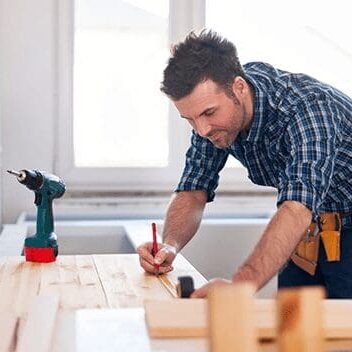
(337, 321)
(125, 282)
(231, 318)
(10, 283)
(116, 284)
(38, 331)
(29, 281)
(75, 280)
(91, 289)
(300, 320)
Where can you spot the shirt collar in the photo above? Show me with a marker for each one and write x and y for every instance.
(256, 130)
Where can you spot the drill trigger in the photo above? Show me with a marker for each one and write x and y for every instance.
(37, 198)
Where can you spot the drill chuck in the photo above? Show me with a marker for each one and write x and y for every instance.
(32, 179)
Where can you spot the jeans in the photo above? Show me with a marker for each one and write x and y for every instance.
(335, 277)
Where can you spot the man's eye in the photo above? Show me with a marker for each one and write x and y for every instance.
(209, 113)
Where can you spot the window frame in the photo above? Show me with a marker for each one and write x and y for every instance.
(185, 15)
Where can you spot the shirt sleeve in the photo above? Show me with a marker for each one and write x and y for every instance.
(203, 163)
(312, 145)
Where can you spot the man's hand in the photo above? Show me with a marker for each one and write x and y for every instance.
(202, 292)
(164, 257)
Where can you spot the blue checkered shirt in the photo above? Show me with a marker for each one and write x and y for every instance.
(300, 142)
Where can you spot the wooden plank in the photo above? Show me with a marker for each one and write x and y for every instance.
(300, 319)
(75, 280)
(8, 328)
(39, 328)
(231, 318)
(10, 284)
(125, 283)
(91, 290)
(337, 321)
(28, 286)
(114, 277)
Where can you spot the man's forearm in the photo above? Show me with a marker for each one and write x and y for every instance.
(277, 243)
(183, 217)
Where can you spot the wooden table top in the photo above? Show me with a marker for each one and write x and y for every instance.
(98, 282)
(84, 282)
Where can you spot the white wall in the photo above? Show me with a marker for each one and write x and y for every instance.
(28, 87)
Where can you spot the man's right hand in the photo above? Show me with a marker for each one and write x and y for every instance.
(164, 257)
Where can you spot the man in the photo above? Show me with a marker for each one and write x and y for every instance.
(290, 132)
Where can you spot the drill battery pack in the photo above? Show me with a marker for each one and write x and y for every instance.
(40, 255)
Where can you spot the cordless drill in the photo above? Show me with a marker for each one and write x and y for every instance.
(42, 246)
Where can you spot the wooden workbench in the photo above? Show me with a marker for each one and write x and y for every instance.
(88, 287)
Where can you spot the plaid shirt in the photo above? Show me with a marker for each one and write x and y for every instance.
(300, 142)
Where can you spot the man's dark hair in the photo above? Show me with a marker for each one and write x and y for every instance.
(198, 58)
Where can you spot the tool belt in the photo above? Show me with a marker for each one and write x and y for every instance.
(328, 229)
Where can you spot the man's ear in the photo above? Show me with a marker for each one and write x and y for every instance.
(239, 87)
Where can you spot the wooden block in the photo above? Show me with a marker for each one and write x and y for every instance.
(176, 318)
(231, 318)
(39, 328)
(300, 320)
(8, 327)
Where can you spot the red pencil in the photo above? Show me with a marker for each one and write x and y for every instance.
(155, 246)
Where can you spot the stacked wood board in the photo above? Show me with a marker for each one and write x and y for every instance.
(188, 318)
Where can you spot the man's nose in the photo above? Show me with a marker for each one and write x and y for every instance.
(203, 128)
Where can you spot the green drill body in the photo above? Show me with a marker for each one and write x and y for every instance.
(51, 188)
(46, 187)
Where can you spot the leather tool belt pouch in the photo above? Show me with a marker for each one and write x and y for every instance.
(330, 232)
(328, 229)
(306, 253)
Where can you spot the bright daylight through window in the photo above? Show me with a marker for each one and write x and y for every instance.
(311, 37)
(120, 116)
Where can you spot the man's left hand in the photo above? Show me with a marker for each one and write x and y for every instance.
(202, 292)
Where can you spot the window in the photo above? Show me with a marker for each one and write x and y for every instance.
(117, 131)
(120, 116)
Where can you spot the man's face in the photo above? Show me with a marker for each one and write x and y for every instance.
(213, 114)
